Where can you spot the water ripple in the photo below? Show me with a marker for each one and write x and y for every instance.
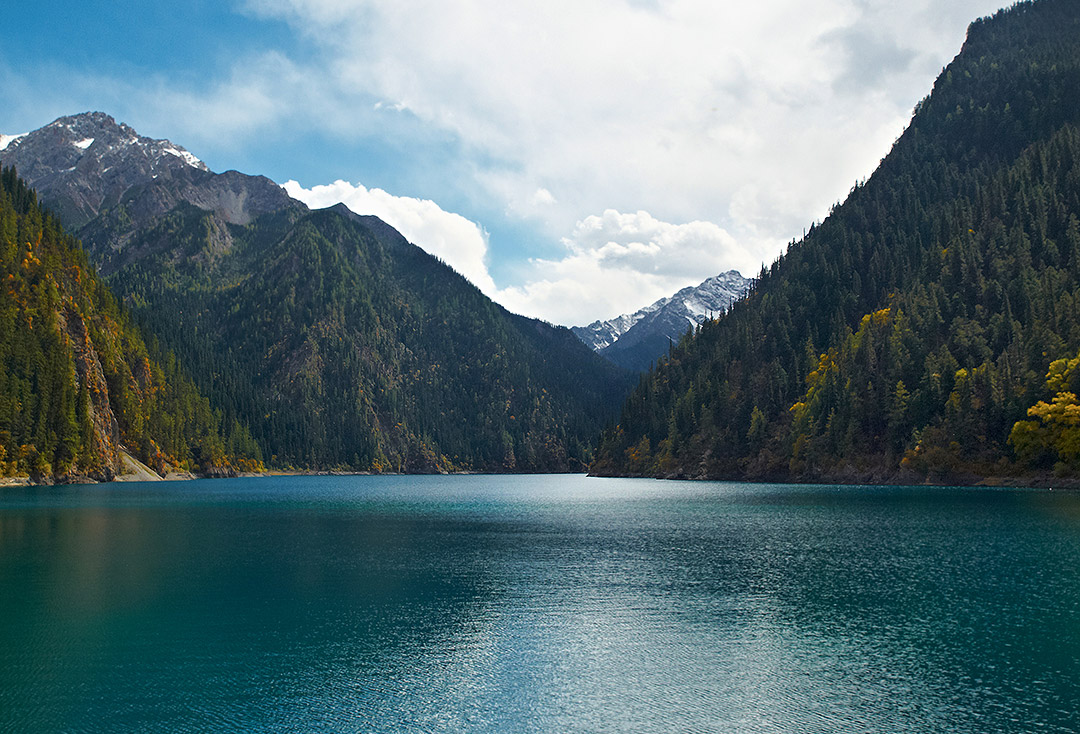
(537, 604)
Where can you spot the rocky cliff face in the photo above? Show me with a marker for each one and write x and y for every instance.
(78, 386)
(105, 437)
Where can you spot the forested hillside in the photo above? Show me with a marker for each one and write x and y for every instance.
(925, 329)
(76, 381)
(343, 349)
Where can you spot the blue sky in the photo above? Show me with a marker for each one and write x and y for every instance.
(576, 159)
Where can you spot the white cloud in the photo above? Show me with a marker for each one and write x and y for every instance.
(754, 116)
(543, 197)
(451, 237)
(613, 262)
(678, 108)
(617, 262)
(643, 243)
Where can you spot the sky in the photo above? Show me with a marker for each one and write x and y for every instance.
(575, 159)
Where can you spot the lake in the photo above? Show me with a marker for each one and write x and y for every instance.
(537, 604)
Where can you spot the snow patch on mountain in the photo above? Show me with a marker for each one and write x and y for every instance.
(84, 143)
(185, 156)
(601, 334)
(6, 140)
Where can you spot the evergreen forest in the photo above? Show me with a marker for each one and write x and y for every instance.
(929, 328)
(77, 382)
(344, 347)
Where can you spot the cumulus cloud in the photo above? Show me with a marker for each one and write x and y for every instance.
(754, 116)
(460, 243)
(641, 242)
(612, 263)
(676, 106)
(617, 262)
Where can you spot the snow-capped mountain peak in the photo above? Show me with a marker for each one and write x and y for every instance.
(95, 139)
(85, 160)
(600, 334)
(635, 340)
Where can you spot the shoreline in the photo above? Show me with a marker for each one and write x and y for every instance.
(1032, 481)
(144, 474)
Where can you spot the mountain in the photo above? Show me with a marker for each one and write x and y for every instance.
(929, 329)
(339, 344)
(78, 387)
(106, 182)
(635, 341)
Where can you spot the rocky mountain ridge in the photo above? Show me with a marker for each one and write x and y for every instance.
(634, 341)
(107, 182)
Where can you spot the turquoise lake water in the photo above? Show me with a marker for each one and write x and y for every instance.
(537, 604)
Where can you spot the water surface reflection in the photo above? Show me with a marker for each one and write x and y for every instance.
(537, 604)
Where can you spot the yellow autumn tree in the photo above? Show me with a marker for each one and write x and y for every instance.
(1055, 432)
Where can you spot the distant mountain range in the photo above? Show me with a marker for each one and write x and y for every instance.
(636, 340)
(335, 342)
